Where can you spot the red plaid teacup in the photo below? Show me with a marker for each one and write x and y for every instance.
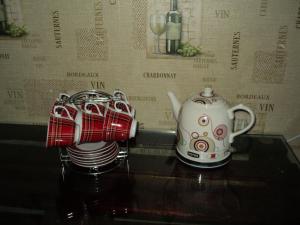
(121, 95)
(61, 100)
(122, 102)
(119, 126)
(96, 108)
(62, 128)
(122, 106)
(63, 97)
(112, 126)
(92, 127)
(71, 110)
(100, 108)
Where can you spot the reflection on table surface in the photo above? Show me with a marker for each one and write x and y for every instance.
(259, 186)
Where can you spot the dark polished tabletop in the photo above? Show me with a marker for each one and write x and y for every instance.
(260, 185)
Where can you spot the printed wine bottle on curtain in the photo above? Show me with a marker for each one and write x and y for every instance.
(3, 20)
(173, 31)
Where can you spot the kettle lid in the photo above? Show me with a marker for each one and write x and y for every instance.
(208, 97)
(208, 92)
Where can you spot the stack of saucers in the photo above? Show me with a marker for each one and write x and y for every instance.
(91, 155)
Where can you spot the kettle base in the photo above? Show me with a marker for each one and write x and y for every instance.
(204, 165)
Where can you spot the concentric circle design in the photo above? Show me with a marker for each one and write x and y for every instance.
(201, 145)
(195, 135)
(220, 132)
(203, 121)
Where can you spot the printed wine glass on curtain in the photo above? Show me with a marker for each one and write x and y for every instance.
(158, 27)
(3, 18)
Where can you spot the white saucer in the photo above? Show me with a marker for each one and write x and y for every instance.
(100, 155)
(92, 146)
(90, 164)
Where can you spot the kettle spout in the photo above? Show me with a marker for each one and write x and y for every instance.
(175, 104)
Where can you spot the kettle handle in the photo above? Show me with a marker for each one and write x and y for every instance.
(231, 116)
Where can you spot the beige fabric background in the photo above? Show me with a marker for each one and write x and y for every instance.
(106, 44)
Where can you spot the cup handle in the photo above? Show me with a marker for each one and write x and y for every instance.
(89, 111)
(59, 115)
(231, 116)
(118, 92)
(120, 110)
(61, 96)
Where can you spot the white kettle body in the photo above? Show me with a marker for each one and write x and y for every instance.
(205, 128)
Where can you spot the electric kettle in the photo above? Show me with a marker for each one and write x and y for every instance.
(205, 124)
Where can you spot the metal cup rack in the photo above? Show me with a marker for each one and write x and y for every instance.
(87, 97)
